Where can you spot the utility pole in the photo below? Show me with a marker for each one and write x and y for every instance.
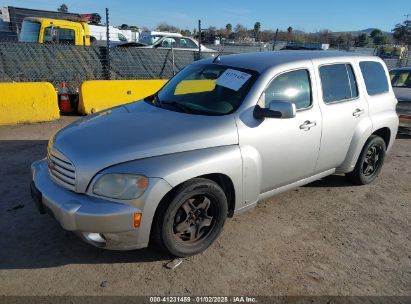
(275, 39)
(108, 46)
(199, 38)
(200, 30)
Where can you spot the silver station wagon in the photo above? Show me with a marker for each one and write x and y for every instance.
(221, 135)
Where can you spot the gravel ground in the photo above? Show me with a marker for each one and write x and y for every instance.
(327, 238)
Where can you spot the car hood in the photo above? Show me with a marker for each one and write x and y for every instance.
(135, 131)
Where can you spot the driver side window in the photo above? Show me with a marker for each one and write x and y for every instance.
(291, 86)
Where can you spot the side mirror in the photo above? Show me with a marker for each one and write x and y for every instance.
(276, 109)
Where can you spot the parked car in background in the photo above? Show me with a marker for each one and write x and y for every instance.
(401, 84)
(221, 135)
(144, 34)
(98, 33)
(306, 46)
(169, 40)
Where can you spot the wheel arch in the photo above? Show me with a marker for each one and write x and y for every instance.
(385, 134)
(360, 137)
(223, 180)
(220, 179)
(357, 144)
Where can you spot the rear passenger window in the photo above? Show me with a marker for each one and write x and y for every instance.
(292, 86)
(374, 77)
(338, 82)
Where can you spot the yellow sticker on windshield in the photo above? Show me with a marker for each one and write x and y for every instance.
(195, 86)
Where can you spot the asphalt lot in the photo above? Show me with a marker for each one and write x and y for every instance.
(327, 238)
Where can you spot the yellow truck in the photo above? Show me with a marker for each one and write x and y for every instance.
(75, 32)
(45, 30)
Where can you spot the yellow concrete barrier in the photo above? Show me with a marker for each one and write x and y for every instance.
(27, 102)
(97, 95)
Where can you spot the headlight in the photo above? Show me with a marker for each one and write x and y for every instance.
(121, 186)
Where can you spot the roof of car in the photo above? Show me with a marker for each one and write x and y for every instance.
(260, 61)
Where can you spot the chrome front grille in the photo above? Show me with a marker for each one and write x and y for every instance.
(61, 170)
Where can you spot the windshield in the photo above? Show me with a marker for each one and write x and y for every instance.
(29, 31)
(150, 40)
(401, 78)
(206, 89)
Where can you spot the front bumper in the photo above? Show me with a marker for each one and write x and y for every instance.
(84, 214)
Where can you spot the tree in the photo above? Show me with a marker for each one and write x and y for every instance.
(212, 30)
(380, 39)
(241, 31)
(63, 8)
(124, 27)
(362, 40)
(375, 32)
(228, 29)
(290, 33)
(324, 36)
(164, 27)
(350, 40)
(185, 32)
(341, 40)
(257, 28)
(402, 32)
(134, 28)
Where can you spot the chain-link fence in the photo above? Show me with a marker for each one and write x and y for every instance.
(73, 64)
(20, 62)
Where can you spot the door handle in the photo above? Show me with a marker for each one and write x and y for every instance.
(358, 112)
(307, 125)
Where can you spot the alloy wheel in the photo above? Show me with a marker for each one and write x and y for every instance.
(372, 160)
(194, 220)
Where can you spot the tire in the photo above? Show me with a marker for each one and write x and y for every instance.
(192, 219)
(369, 162)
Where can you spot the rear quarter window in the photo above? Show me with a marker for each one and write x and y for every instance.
(376, 81)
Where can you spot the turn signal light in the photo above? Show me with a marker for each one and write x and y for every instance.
(137, 220)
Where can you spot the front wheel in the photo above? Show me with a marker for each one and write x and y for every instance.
(369, 162)
(193, 219)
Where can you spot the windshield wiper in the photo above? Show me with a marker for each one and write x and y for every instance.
(179, 106)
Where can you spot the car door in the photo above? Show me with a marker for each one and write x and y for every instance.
(187, 44)
(166, 43)
(343, 109)
(288, 148)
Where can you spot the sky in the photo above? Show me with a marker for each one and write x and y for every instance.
(305, 15)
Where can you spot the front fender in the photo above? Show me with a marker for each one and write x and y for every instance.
(179, 167)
